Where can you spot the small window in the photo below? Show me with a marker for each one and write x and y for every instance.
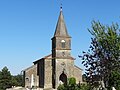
(69, 44)
(27, 79)
(63, 43)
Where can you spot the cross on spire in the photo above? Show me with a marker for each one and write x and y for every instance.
(61, 6)
(60, 1)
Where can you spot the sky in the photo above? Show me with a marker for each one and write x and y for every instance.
(27, 26)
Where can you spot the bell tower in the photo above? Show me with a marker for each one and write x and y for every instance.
(62, 62)
(61, 41)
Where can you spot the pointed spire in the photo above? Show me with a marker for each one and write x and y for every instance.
(61, 29)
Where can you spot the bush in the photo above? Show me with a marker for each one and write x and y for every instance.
(61, 87)
(71, 85)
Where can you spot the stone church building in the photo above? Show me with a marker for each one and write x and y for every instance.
(56, 68)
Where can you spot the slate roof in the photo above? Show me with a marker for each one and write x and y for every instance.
(61, 30)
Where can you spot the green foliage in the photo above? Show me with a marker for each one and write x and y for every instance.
(5, 79)
(72, 81)
(85, 87)
(61, 87)
(103, 57)
(71, 85)
(114, 80)
(17, 80)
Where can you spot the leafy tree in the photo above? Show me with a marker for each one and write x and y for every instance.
(5, 79)
(103, 57)
(17, 80)
(114, 80)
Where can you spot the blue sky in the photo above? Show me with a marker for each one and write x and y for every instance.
(27, 26)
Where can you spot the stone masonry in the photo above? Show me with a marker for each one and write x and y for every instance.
(54, 69)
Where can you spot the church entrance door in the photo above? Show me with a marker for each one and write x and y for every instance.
(63, 78)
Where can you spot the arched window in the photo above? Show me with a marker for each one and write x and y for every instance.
(63, 43)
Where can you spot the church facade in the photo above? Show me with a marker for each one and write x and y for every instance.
(56, 68)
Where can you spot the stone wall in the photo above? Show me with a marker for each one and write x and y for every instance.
(65, 66)
(78, 74)
(30, 73)
(48, 73)
(41, 72)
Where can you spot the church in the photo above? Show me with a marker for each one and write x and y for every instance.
(57, 67)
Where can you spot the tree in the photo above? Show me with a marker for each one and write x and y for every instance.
(103, 56)
(17, 80)
(5, 79)
(114, 79)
